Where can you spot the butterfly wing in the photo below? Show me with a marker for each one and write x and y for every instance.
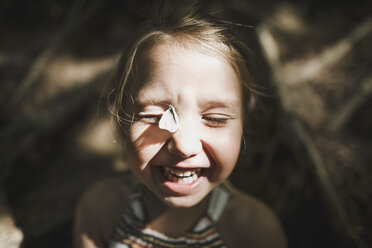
(169, 120)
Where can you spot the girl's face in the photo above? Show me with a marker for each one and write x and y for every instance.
(181, 168)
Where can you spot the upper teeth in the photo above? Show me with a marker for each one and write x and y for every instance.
(181, 173)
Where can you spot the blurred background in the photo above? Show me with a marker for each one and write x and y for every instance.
(309, 159)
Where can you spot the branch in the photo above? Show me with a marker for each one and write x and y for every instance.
(329, 56)
(17, 138)
(362, 93)
(72, 20)
(271, 53)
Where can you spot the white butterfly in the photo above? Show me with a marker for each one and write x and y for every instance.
(169, 120)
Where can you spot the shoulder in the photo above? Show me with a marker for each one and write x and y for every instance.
(98, 211)
(247, 220)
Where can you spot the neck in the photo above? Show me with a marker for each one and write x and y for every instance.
(171, 221)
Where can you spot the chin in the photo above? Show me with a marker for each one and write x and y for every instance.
(182, 201)
(185, 201)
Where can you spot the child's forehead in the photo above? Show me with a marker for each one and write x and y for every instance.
(175, 72)
(163, 55)
(165, 59)
(187, 49)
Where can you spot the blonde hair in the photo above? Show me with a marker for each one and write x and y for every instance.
(182, 23)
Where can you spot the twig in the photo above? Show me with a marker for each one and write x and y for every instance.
(329, 56)
(361, 94)
(17, 145)
(271, 53)
(323, 176)
(41, 61)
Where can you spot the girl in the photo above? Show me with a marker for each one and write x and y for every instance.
(182, 95)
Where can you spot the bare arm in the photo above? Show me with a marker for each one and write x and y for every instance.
(97, 213)
(268, 230)
(84, 234)
(250, 223)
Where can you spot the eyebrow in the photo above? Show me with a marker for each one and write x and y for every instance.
(205, 103)
(153, 101)
(223, 103)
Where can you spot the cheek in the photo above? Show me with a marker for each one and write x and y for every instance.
(224, 149)
(145, 142)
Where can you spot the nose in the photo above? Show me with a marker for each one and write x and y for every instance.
(185, 142)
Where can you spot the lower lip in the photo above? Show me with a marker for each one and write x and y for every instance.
(181, 188)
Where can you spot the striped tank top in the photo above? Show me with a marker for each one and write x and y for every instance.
(131, 232)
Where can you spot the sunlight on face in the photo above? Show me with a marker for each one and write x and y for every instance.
(181, 168)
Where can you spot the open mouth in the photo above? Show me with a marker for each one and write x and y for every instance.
(181, 175)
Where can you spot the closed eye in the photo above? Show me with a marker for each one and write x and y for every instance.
(149, 118)
(216, 120)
